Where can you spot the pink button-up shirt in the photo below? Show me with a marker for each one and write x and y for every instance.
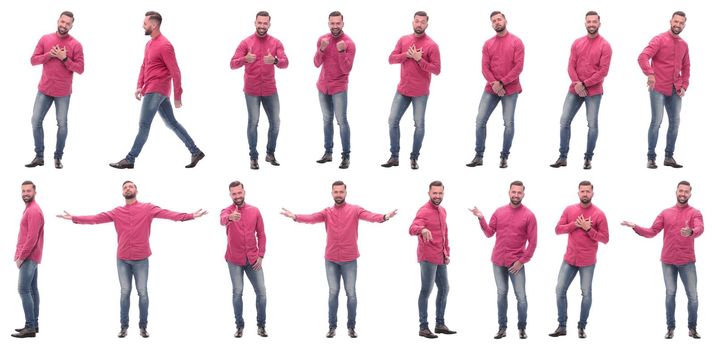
(677, 250)
(246, 236)
(667, 57)
(503, 60)
(582, 245)
(341, 224)
(133, 225)
(514, 227)
(589, 62)
(159, 69)
(56, 80)
(336, 65)
(415, 76)
(259, 79)
(32, 234)
(434, 218)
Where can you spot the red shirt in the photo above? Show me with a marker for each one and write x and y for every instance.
(415, 76)
(56, 80)
(133, 225)
(159, 69)
(677, 250)
(582, 245)
(336, 64)
(589, 62)
(246, 237)
(259, 78)
(667, 57)
(32, 234)
(503, 60)
(341, 224)
(514, 227)
(434, 218)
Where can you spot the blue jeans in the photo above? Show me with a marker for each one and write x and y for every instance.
(689, 277)
(399, 106)
(486, 106)
(139, 269)
(256, 278)
(30, 296)
(430, 275)
(39, 111)
(566, 276)
(272, 107)
(672, 105)
(335, 105)
(348, 271)
(571, 106)
(518, 281)
(152, 103)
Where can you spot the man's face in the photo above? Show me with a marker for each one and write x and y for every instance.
(419, 24)
(683, 194)
(339, 192)
(335, 24)
(516, 194)
(677, 24)
(498, 23)
(149, 26)
(262, 25)
(592, 24)
(28, 193)
(585, 193)
(238, 195)
(64, 24)
(436, 194)
(129, 190)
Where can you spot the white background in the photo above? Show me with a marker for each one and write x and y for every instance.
(190, 290)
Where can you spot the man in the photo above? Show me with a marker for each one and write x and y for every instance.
(418, 57)
(515, 226)
(246, 247)
(502, 62)
(430, 227)
(60, 55)
(260, 53)
(586, 225)
(336, 52)
(341, 251)
(133, 225)
(666, 62)
(28, 255)
(681, 224)
(588, 66)
(157, 71)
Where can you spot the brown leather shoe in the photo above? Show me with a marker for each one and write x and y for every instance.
(651, 164)
(587, 164)
(477, 161)
(522, 334)
(443, 329)
(239, 332)
(122, 333)
(559, 163)
(195, 159)
(425, 332)
(669, 333)
(501, 333)
(671, 163)
(413, 164)
(693, 333)
(262, 331)
(58, 164)
(560, 331)
(254, 164)
(502, 163)
(35, 162)
(327, 157)
(582, 333)
(122, 164)
(37, 329)
(143, 333)
(352, 333)
(345, 163)
(271, 158)
(331, 332)
(24, 333)
(393, 161)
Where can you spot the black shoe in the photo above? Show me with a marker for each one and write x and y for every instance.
(425, 332)
(393, 161)
(502, 163)
(560, 331)
(587, 164)
(559, 163)
(35, 162)
(443, 329)
(501, 333)
(254, 164)
(37, 330)
(672, 163)
(271, 158)
(413, 164)
(352, 333)
(651, 164)
(24, 333)
(143, 333)
(262, 331)
(58, 164)
(582, 333)
(195, 159)
(693, 333)
(122, 164)
(522, 334)
(669, 334)
(345, 163)
(327, 157)
(331, 332)
(239, 332)
(477, 161)
(122, 333)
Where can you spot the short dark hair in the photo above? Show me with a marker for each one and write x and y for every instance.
(336, 14)
(679, 13)
(494, 13)
(28, 182)
(593, 13)
(585, 183)
(421, 14)
(129, 182)
(436, 183)
(264, 14)
(339, 183)
(68, 14)
(685, 183)
(235, 184)
(517, 183)
(154, 16)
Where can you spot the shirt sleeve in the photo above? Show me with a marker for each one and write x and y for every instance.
(491, 228)
(39, 56)
(599, 229)
(531, 238)
(685, 70)
(397, 55)
(35, 222)
(486, 60)
(513, 74)
(260, 235)
(223, 218)
(318, 57)
(653, 230)
(369, 216)
(311, 218)
(280, 53)
(140, 80)
(346, 58)
(100, 218)
(696, 223)
(431, 62)
(604, 63)
(157, 212)
(239, 57)
(419, 223)
(76, 62)
(648, 53)
(564, 225)
(168, 56)
(573, 59)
